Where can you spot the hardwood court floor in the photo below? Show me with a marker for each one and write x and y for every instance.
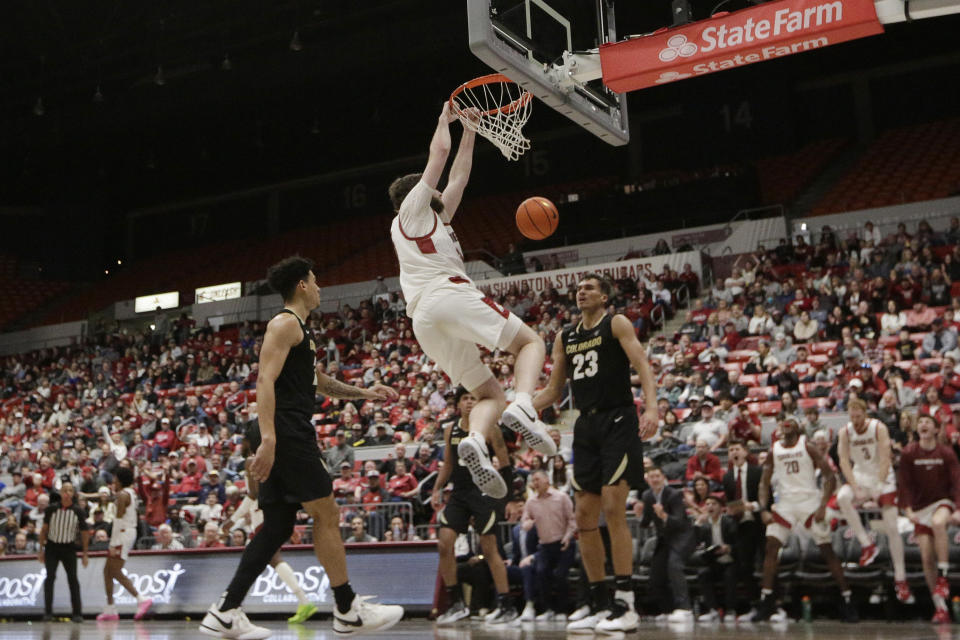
(417, 629)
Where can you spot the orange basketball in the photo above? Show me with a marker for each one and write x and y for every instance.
(537, 218)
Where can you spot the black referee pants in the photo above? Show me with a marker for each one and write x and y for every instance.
(55, 554)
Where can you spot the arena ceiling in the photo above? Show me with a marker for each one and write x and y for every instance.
(117, 104)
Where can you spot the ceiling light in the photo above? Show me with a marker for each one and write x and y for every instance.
(295, 44)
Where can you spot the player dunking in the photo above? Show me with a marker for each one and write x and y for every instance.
(451, 316)
(250, 508)
(596, 356)
(122, 536)
(929, 494)
(466, 502)
(800, 508)
(287, 464)
(863, 448)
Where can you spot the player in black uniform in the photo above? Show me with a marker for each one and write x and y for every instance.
(287, 464)
(466, 502)
(596, 355)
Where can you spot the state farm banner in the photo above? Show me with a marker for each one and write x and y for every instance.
(646, 268)
(729, 40)
(187, 582)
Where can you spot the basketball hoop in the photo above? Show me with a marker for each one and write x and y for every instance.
(499, 106)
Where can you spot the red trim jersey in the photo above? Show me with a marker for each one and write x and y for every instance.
(427, 249)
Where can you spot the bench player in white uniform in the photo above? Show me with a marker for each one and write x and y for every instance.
(122, 537)
(863, 447)
(451, 316)
(800, 508)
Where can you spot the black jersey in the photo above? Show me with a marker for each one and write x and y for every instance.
(597, 366)
(461, 479)
(296, 386)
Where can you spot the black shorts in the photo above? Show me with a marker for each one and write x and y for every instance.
(298, 475)
(461, 506)
(606, 449)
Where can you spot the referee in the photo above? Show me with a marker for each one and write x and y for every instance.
(61, 526)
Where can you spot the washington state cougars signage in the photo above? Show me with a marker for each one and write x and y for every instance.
(729, 40)
(561, 279)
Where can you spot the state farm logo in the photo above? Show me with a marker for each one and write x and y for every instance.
(677, 47)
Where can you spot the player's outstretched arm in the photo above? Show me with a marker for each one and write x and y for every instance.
(459, 176)
(623, 331)
(335, 389)
(439, 148)
(558, 377)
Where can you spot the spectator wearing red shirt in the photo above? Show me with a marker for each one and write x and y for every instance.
(806, 371)
(703, 463)
(731, 338)
(403, 485)
(164, 440)
(915, 381)
(947, 382)
(47, 472)
(746, 426)
(933, 406)
(345, 486)
(211, 537)
(189, 486)
(373, 493)
(154, 489)
(193, 456)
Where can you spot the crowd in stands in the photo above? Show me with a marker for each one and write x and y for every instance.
(794, 330)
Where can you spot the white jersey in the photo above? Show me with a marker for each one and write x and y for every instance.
(128, 523)
(427, 249)
(794, 471)
(864, 454)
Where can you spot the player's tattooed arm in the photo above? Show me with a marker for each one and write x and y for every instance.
(335, 389)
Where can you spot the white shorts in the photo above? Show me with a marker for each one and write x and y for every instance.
(884, 494)
(124, 540)
(451, 320)
(923, 518)
(797, 517)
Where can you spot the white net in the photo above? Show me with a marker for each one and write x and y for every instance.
(496, 108)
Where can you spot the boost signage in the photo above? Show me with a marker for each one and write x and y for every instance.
(188, 582)
(729, 40)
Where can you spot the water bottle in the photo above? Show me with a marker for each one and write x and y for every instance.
(807, 609)
(955, 606)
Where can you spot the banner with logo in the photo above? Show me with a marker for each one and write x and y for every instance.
(729, 40)
(189, 582)
(561, 279)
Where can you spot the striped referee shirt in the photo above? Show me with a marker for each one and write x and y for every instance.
(64, 524)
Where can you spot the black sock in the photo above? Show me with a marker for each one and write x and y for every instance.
(600, 595)
(623, 583)
(344, 596)
(455, 593)
(503, 601)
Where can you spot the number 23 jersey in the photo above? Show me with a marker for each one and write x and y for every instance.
(597, 366)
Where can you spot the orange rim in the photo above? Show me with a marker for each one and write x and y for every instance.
(492, 78)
